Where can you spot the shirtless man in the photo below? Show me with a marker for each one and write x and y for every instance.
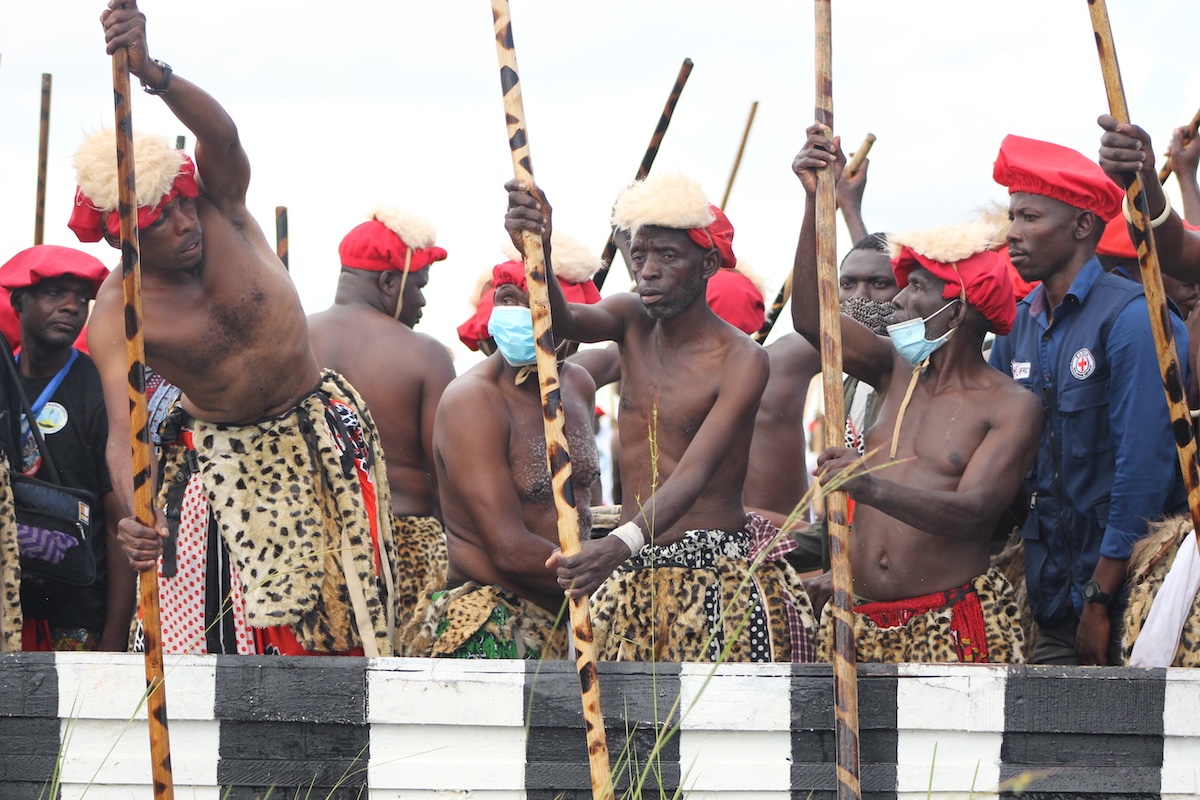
(690, 387)
(223, 322)
(945, 464)
(401, 375)
(498, 504)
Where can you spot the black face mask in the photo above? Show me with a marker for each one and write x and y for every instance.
(875, 314)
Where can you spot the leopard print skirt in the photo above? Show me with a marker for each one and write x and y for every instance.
(421, 564)
(303, 504)
(11, 620)
(703, 598)
(1148, 567)
(471, 619)
(930, 637)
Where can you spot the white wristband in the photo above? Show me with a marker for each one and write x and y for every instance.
(631, 535)
(1157, 221)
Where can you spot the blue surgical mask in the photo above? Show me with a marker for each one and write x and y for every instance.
(512, 328)
(909, 337)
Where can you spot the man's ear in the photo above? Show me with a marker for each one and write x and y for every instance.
(1088, 226)
(388, 282)
(17, 299)
(113, 240)
(711, 262)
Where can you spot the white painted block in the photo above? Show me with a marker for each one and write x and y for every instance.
(733, 697)
(958, 761)
(1181, 701)
(107, 751)
(453, 757)
(113, 686)
(1181, 767)
(415, 692)
(967, 697)
(723, 761)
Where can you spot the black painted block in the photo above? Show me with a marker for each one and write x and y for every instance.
(28, 685)
(278, 689)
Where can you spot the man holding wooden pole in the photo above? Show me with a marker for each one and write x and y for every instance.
(311, 536)
(690, 385)
(952, 440)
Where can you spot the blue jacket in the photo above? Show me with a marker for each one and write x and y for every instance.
(1107, 460)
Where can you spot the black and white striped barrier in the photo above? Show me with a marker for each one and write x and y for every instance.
(418, 729)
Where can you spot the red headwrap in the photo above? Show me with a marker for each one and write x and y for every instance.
(1060, 173)
(89, 222)
(719, 234)
(474, 330)
(1116, 241)
(984, 279)
(374, 246)
(40, 262)
(736, 299)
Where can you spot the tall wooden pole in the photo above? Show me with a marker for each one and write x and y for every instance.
(1192, 128)
(281, 235)
(139, 426)
(1156, 298)
(39, 218)
(737, 162)
(660, 130)
(845, 676)
(552, 408)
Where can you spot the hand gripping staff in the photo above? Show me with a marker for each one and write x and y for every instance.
(552, 408)
(1156, 299)
(139, 426)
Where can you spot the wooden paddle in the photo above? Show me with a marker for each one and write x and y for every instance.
(139, 427)
(845, 675)
(1156, 298)
(552, 408)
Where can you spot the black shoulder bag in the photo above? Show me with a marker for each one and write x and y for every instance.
(54, 522)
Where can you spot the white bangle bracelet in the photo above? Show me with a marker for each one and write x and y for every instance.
(631, 535)
(1157, 221)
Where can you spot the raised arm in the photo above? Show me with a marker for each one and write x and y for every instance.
(221, 163)
(602, 322)
(988, 484)
(1185, 158)
(849, 191)
(864, 355)
(1125, 151)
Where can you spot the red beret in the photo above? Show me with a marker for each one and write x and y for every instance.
(1060, 173)
(719, 234)
(1116, 241)
(474, 330)
(89, 222)
(985, 280)
(374, 246)
(43, 261)
(736, 299)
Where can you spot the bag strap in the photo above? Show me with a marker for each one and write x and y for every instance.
(11, 364)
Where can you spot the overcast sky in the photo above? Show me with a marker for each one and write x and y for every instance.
(342, 106)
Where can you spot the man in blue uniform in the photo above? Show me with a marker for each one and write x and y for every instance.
(1082, 343)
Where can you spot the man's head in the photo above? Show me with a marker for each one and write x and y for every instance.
(391, 253)
(866, 271)
(1059, 201)
(50, 289)
(168, 225)
(952, 273)
(734, 297)
(678, 240)
(1116, 253)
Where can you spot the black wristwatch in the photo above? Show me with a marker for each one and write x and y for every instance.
(166, 79)
(1092, 594)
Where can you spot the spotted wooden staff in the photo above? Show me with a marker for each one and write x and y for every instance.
(785, 291)
(1156, 298)
(660, 130)
(845, 676)
(139, 427)
(1188, 135)
(737, 161)
(552, 408)
(281, 236)
(39, 217)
